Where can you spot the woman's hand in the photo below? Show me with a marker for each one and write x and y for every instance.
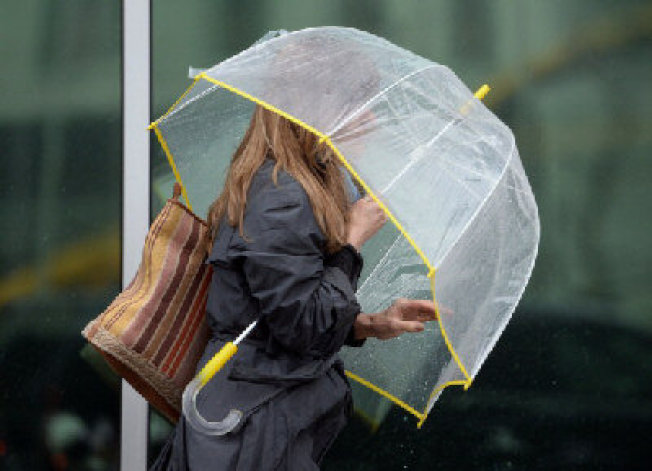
(405, 315)
(365, 219)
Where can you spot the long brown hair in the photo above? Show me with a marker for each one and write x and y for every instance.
(297, 152)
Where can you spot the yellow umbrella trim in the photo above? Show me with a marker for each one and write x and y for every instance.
(480, 94)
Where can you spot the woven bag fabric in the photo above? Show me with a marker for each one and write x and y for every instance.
(154, 332)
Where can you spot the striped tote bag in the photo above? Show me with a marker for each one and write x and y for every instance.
(154, 332)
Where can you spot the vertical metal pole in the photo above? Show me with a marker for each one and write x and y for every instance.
(135, 200)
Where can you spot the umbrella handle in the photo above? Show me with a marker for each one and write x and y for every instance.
(189, 398)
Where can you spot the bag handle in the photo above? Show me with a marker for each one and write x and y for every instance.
(176, 191)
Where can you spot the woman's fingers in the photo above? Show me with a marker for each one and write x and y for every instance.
(417, 309)
(395, 327)
(405, 315)
(412, 326)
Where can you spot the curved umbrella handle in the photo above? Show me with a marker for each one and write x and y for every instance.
(194, 418)
(189, 398)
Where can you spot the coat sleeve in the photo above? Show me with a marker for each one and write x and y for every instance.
(349, 260)
(306, 300)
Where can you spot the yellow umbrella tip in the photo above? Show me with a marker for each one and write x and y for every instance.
(482, 91)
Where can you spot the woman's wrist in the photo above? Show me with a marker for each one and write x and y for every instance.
(362, 327)
(355, 241)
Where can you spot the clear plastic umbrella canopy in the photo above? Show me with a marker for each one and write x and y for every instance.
(464, 226)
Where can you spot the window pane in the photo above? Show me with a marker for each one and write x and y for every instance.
(60, 135)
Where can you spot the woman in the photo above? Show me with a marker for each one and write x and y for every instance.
(286, 251)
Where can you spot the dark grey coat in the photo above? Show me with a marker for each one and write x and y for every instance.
(286, 377)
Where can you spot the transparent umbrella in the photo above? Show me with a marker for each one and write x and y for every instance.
(464, 225)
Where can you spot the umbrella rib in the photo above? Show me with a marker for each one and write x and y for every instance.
(262, 103)
(412, 162)
(175, 171)
(385, 394)
(169, 110)
(447, 341)
(380, 262)
(172, 111)
(479, 95)
(478, 174)
(378, 95)
(484, 201)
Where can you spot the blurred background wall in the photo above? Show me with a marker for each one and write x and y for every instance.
(60, 148)
(569, 385)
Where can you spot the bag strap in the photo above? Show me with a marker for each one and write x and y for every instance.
(176, 192)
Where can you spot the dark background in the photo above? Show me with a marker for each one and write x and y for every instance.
(569, 385)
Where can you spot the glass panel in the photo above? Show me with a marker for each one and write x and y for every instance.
(60, 135)
(568, 385)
